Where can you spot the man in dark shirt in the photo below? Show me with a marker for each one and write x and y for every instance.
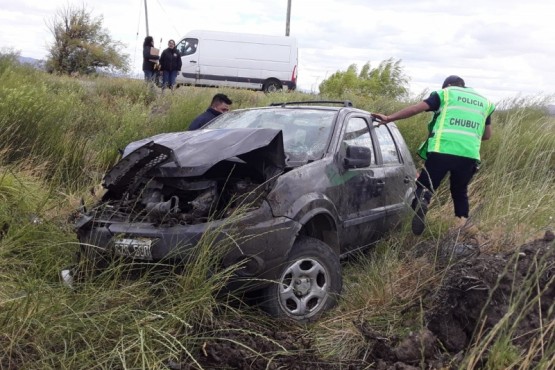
(461, 121)
(220, 104)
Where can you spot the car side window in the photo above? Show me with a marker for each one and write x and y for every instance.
(187, 47)
(357, 134)
(388, 148)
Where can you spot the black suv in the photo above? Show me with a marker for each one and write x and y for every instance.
(319, 181)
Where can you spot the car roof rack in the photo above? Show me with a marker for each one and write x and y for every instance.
(345, 103)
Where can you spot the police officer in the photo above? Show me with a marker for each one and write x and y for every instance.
(462, 119)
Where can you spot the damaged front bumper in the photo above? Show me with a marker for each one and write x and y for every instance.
(256, 240)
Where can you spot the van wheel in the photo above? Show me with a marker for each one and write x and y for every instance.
(272, 85)
(308, 283)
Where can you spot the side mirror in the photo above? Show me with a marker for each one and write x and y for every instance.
(358, 156)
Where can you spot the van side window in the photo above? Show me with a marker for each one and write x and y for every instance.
(187, 46)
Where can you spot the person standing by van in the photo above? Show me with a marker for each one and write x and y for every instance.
(170, 64)
(220, 104)
(149, 60)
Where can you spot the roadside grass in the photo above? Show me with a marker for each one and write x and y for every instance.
(381, 298)
(58, 135)
(518, 179)
(118, 319)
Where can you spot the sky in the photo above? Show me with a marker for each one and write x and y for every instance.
(504, 49)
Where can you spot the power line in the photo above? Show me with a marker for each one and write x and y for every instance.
(166, 13)
(137, 36)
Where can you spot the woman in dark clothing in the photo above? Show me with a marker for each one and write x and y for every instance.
(170, 64)
(149, 67)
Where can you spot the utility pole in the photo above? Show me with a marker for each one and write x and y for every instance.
(146, 19)
(288, 17)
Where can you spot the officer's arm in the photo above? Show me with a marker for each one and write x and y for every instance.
(408, 112)
(487, 133)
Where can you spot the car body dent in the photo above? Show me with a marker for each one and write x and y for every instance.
(246, 237)
(201, 149)
(193, 153)
(348, 204)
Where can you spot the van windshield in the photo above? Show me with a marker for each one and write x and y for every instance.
(306, 132)
(187, 46)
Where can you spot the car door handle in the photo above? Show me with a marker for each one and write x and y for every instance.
(193, 61)
(379, 185)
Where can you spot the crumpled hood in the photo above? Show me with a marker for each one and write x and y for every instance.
(192, 153)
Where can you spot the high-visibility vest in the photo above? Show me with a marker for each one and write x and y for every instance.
(458, 126)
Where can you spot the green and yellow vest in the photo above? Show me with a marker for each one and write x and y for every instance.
(458, 126)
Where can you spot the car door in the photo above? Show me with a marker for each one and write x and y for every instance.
(188, 48)
(358, 193)
(399, 181)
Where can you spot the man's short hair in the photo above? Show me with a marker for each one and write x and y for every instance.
(221, 98)
(453, 80)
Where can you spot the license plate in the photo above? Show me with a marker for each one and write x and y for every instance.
(134, 248)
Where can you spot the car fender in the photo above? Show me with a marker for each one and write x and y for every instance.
(304, 218)
(310, 205)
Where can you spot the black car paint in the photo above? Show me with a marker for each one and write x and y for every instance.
(348, 208)
(192, 153)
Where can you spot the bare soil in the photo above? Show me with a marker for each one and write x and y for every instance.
(476, 292)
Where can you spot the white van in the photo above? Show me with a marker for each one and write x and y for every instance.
(258, 62)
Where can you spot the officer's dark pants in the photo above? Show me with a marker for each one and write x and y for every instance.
(461, 170)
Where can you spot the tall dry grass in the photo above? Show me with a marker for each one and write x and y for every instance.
(57, 137)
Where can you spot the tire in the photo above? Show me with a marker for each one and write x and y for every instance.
(308, 283)
(271, 85)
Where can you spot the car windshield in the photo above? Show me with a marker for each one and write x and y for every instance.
(306, 132)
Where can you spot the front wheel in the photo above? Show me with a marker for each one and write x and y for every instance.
(309, 282)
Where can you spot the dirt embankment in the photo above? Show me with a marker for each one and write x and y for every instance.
(476, 294)
(482, 290)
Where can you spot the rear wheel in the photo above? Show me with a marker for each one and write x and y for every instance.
(308, 284)
(272, 85)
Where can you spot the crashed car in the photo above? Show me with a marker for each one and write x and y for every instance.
(321, 180)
